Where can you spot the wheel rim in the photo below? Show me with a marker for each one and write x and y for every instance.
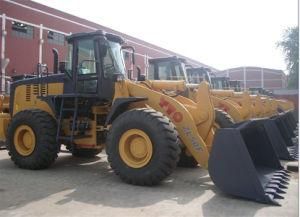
(135, 148)
(24, 140)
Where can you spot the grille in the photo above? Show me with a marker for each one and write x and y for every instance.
(35, 89)
(28, 93)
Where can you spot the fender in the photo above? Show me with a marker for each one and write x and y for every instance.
(119, 106)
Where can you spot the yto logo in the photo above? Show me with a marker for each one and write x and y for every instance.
(170, 110)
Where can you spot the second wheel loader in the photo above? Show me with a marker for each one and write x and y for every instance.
(243, 106)
(238, 105)
(91, 105)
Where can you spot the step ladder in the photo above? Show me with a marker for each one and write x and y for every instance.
(62, 111)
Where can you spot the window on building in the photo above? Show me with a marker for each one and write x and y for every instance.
(22, 30)
(56, 38)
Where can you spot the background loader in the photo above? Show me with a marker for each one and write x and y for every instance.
(240, 105)
(278, 112)
(89, 104)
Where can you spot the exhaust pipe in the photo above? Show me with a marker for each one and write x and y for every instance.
(55, 60)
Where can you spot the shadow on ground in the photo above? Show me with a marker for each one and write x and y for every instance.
(92, 181)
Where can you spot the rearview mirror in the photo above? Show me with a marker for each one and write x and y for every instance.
(62, 69)
(128, 47)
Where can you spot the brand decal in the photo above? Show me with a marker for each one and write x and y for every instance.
(170, 110)
(187, 131)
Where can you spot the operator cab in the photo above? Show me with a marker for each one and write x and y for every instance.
(94, 62)
(220, 83)
(235, 85)
(167, 68)
(197, 75)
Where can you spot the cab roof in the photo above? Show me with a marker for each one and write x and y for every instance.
(198, 69)
(167, 59)
(109, 36)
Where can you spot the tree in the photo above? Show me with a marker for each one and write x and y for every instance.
(290, 47)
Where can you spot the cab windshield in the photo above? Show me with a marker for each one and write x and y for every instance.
(166, 71)
(197, 76)
(113, 62)
(184, 73)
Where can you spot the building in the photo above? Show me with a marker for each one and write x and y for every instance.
(270, 79)
(30, 31)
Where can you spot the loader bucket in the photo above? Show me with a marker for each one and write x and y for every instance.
(243, 163)
(292, 119)
(284, 131)
(280, 147)
(288, 123)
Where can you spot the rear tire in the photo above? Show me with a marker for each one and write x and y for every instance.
(43, 128)
(164, 147)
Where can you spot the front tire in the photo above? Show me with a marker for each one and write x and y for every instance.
(31, 139)
(222, 119)
(142, 147)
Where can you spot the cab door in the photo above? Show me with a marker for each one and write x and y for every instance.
(87, 67)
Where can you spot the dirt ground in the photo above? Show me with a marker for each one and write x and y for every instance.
(88, 187)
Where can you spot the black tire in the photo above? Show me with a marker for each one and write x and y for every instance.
(85, 152)
(165, 143)
(186, 160)
(44, 127)
(223, 119)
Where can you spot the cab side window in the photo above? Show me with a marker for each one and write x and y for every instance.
(86, 67)
(86, 57)
(164, 71)
(151, 72)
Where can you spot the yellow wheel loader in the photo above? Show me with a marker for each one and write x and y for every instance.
(242, 106)
(91, 105)
(236, 104)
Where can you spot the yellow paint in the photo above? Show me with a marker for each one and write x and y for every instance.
(180, 115)
(166, 85)
(229, 106)
(285, 105)
(24, 140)
(135, 148)
(4, 103)
(27, 98)
(4, 121)
(257, 106)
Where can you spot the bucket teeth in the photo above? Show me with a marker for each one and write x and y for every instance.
(283, 172)
(287, 171)
(283, 186)
(279, 191)
(283, 177)
(280, 180)
(274, 192)
(277, 196)
(276, 188)
(271, 199)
